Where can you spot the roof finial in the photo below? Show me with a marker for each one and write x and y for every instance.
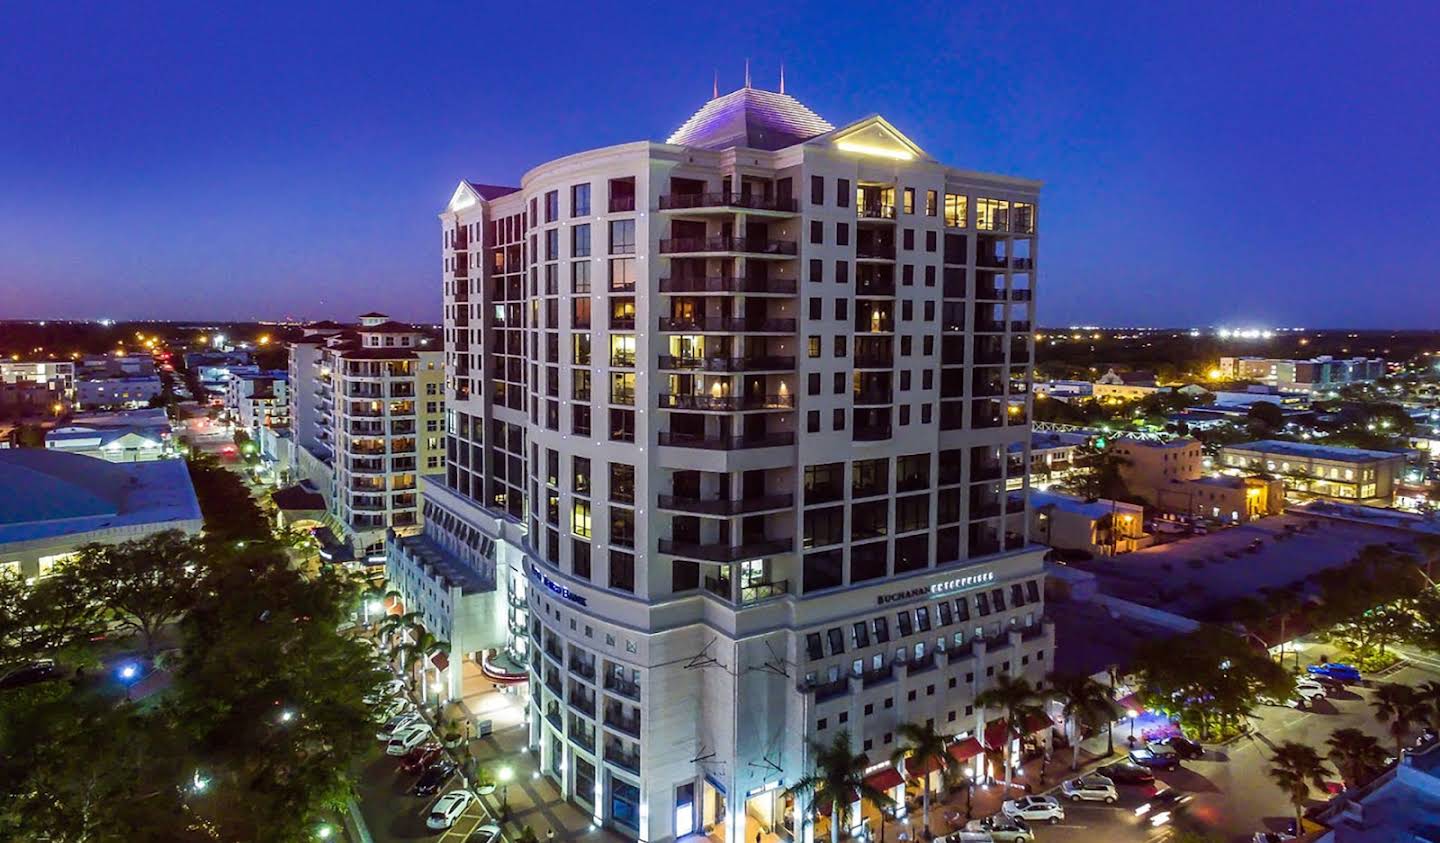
(715, 95)
(782, 77)
(747, 73)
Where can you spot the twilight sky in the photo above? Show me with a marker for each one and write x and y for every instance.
(1204, 163)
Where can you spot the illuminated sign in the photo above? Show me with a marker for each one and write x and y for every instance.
(556, 588)
(870, 149)
(938, 589)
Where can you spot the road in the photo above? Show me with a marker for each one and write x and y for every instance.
(393, 815)
(1234, 796)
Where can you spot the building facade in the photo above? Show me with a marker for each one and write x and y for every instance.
(1150, 464)
(38, 384)
(1315, 374)
(123, 393)
(1350, 475)
(740, 403)
(257, 401)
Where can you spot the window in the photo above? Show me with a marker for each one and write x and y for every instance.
(812, 421)
(812, 346)
(580, 475)
(622, 570)
(580, 200)
(823, 483)
(817, 270)
(580, 518)
(992, 214)
(552, 206)
(836, 639)
(842, 234)
(813, 648)
(837, 420)
(622, 483)
(842, 193)
(580, 276)
(842, 272)
(956, 211)
(909, 200)
(552, 245)
(580, 241)
(812, 382)
(882, 630)
(904, 624)
(816, 303)
(817, 232)
(825, 526)
(622, 237)
(870, 478)
(817, 190)
(860, 635)
(580, 558)
(931, 200)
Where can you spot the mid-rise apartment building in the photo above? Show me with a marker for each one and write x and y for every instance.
(36, 387)
(367, 414)
(1315, 374)
(257, 401)
(728, 424)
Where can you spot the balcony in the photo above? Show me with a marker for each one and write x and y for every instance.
(874, 360)
(720, 201)
(871, 678)
(873, 396)
(583, 669)
(875, 211)
(616, 719)
(725, 403)
(924, 664)
(875, 252)
(727, 284)
(1022, 264)
(726, 443)
(622, 203)
(979, 510)
(758, 592)
(875, 287)
(726, 364)
(719, 552)
(583, 703)
(723, 244)
(623, 687)
(727, 325)
(1021, 295)
(872, 432)
(701, 506)
(826, 691)
(1020, 326)
(622, 759)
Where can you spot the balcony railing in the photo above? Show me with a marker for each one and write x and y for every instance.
(875, 211)
(875, 287)
(872, 433)
(746, 245)
(1020, 326)
(756, 592)
(874, 396)
(727, 364)
(876, 251)
(726, 284)
(728, 324)
(583, 703)
(726, 507)
(623, 687)
(620, 204)
(830, 690)
(725, 403)
(618, 721)
(874, 360)
(689, 201)
(718, 552)
(871, 678)
(620, 758)
(726, 443)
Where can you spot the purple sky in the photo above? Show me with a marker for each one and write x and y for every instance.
(1205, 163)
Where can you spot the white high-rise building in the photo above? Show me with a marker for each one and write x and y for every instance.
(731, 415)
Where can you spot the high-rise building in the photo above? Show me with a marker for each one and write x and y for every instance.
(728, 422)
(366, 405)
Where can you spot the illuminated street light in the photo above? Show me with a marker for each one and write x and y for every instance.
(504, 774)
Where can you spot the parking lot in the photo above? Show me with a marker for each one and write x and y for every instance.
(393, 814)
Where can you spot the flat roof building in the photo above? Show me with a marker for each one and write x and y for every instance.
(1330, 472)
(123, 436)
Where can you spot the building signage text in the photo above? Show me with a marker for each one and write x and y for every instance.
(938, 589)
(556, 588)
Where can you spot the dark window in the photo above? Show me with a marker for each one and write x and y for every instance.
(868, 561)
(817, 190)
(824, 570)
(836, 638)
(882, 630)
(982, 604)
(904, 624)
(817, 231)
(842, 192)
(817, 270)
(580, 558)
(813, 647)
(842, 234)
(997, 597)
(861, 635)
(622, 570)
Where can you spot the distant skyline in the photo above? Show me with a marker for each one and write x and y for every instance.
(1225, 165)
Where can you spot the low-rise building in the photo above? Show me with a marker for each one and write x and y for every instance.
(1052, 456)
(1099, 527)
(125, 436)
(117, 393)
(1330, 472)
(258, 400)
(1402, 804)
(100, 366)
(1064, 390)
(1316, 374)
(1125, 386)
(1231, 499)
(51, 503)
(1149, 464)
(55, 378)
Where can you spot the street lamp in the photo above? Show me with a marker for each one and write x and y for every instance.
(1132, 713)
(128, 673)
(504, 774)
(324, 831)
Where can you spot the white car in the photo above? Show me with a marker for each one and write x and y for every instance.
(390, 710)
(447, 809)
(1272, 837)
(1090, 789)
(487, 833)
(1309, 689)
(407, 739)
(395, 724)
(1002, 829)
(1034, 808)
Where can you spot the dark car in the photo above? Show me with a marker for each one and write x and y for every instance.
(434, 777)
(28, 674)
(420, 758)
(1334, 670)
(1184, 747)
(1125, 772)
(1161, 760)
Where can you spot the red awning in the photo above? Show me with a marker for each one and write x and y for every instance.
(885, 780)
(1037, 721)
(915, 770)
(995, 732)
(1129, 702)
(440, 660)
(965, 750)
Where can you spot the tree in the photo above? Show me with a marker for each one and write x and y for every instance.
(837, 779)
(1429, 697)
(1399, 707)
(1267, 413)
(142, 584)
(230, 511)
(55, 614)
(1295, 768)
(1083, 703)
(1209, 679)
(1017, 702)
(1355, 754)
(924, 748)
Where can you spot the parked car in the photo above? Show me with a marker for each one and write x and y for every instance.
(967, 835)
(447, 809)
(1334, 670)
(408, 738)
(395, 724)
(1090, 789)
(1126, 772)
(1154, 759)
(387, 710)
(434, 777)
(39, 670)
(1034, 808)
(421, 757)
(487, 833)
(1310, 690)
(1163, 806)
(1003, 829)
(1184, 747)
(1272, 837)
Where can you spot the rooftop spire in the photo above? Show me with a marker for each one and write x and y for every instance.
(747, 73)
(715, 92)
(782, 77)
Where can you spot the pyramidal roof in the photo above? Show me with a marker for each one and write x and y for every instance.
(751, 118)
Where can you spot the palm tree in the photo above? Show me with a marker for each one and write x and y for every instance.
(1295, 768)
(1399, 707)
(424, 644)
(837, 780)
(1355, 754)
(1083, 703)
(1017, 703)
(924, 748)
(1429, 694)
(393, 624)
